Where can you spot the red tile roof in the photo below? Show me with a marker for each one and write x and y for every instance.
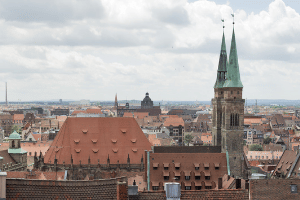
(103, 131)
(19, 117)
(173, 121)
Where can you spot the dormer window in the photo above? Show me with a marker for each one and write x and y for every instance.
(177, 166)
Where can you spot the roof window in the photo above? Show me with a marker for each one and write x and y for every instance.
(84, 131)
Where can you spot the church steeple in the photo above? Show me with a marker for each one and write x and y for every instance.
(222, 65)
(233, 73)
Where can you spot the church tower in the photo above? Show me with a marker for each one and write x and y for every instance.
(228, 110)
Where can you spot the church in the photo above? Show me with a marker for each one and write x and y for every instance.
(228, 110)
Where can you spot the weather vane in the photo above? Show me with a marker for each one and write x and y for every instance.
(233, 18)
(223, 23)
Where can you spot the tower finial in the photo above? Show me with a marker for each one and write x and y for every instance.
(223, 23)
(233, 18)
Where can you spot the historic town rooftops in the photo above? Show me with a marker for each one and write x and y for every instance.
(98, 138)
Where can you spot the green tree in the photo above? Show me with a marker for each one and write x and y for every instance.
(255, 147)
(244, 142)
(16, 128)
(267, 140)
(188, 138)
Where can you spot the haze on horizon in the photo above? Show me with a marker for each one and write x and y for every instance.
(95, 49)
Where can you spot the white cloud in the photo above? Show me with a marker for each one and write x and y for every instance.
(169, 48)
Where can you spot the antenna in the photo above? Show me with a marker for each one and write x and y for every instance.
(6, 93)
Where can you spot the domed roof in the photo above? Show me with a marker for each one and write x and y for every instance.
(14, 135)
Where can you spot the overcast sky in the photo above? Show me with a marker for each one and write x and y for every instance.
(91, 49)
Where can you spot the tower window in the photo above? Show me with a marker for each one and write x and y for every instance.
(231, 92)
(238, 92)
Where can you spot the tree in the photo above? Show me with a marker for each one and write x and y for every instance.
(188, 138)
(244, 142)
(255, 147)
(267, 140)
(16, 128)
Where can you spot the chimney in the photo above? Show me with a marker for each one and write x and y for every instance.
(238, 183)
(3, 185)
(173, 191)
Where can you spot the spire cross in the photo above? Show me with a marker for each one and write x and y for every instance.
(233, 18)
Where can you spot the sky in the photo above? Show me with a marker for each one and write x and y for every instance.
(94, 49)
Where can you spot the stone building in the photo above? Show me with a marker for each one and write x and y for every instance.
(147, 102)
(228, 110)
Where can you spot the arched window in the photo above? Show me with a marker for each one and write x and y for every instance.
(13, 144)
(234, 119)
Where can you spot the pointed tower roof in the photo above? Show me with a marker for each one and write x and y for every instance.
(233, 72)
(222, 65)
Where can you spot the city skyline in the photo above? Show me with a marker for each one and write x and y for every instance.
(93, 50)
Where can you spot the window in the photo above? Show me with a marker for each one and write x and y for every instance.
(250, 157)
(196, 168)
(198, 187)
(154, 168)
(166, 178)
(187, 177)
(30, 153)
(266, 157)
(166, 168)
(207, 187)
(177, 177)
(197, 177)
(187, 187)
(155, 188)
(217, 168)
(231, 92)
(294, 189)
(207, 177)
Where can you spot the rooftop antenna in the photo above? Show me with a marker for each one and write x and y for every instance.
(6, 93)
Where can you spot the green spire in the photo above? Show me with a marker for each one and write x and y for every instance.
(233, 73)
(222, 65)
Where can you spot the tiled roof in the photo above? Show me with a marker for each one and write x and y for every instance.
(95, 137)
(32, 147)
(139, 115)
(37, 137)
(186, 163)
(285, 163)
(174, 121)
(35, 174)
(6, 157)
(19, 117)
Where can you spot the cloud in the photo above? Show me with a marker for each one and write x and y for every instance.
(93, 49)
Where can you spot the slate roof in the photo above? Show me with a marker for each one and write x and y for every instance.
(97, 138)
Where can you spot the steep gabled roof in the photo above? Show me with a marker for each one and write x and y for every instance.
(233, 73)
(222, 65)
(97, 138)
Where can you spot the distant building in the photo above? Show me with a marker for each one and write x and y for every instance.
(60, 111)
(146, 106)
